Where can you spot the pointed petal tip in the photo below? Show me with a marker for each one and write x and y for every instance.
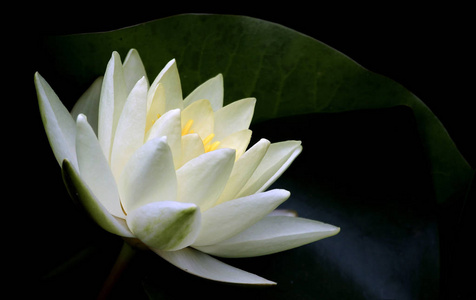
(264, 140)
(158, 141)
(269, 283)
(169, 64)
(165, 225)
(81, 118)
(132, 50)
(218, 77)
(65, 163)
(115, 56)
(284, 193)
(229, 151)
(38, 80)
(335, 231)
(162, 140)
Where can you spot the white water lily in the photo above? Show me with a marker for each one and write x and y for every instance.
(175, 174)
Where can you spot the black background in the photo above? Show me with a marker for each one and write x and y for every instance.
(428, 50)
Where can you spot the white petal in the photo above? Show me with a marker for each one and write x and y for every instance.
(232, 217)
(94, 169)
(133, 69)
(212, 90)
(59, 125)
(271, 235)
(234, 117)
(201, 113)
(192, 146)
(276, 160)
(169, 125)
(88, 104)
(284, 213)
(155, 105)
(243, 169)
(238, 140)
(81, 192)
(149, 176)
(130, 129)
(113, 97)
(202, 179)
(170, 79)
(202, 265)
(166, 225)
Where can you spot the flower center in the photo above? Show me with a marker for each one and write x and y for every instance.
(207, 142)
(187, 129)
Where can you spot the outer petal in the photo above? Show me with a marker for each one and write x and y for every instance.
(277, 159)
(113, 97)
(243, 169)
(230, 218)
(271, 235)
(169, 125)
(88, 104)
(133, 69)
(170, 79)
(202, 265)
(129, 135)
(202, 179)
(94, 168)
(234, 117)
(80, 191)
(212, 90)
(166, 225)
(149, 176)
(59, 125)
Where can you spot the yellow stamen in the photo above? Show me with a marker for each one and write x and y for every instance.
(187, 127)
(212, 147)
(208, 139)
(153, 121)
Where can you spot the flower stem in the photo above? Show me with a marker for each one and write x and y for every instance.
(123, 259)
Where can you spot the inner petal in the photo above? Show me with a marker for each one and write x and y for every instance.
(198, 117)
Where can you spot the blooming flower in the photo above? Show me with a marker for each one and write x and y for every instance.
(175, 174)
